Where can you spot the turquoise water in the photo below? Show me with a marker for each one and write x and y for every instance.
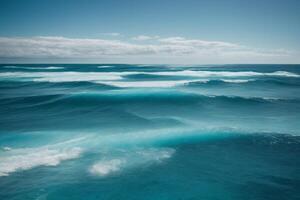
(74, 131)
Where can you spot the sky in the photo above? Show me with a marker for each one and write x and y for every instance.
(150, 31)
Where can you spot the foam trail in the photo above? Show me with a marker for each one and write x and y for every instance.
(20, 159)
(145, 84)
(131, 159)
(115, 76)
(30, 158)
(204, 74)
(11, 67)
(6, 148)
(52, 67)
(20, 67)
(106, 167)
(237, 80)
(284, 73)
(105, 66)
(63, 76)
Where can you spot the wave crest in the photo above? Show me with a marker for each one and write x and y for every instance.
(28, 158)
(39, 68)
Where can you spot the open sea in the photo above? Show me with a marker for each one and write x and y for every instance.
(149, 132)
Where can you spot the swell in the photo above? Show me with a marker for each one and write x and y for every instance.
(129, 97)
(32, 68)
(26, 89)
(70, 76)
(254, 82)
(135, 148)
(17, 84)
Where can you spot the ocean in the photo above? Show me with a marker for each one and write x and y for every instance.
(151, 132)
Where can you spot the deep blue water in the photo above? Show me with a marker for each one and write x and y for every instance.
(83, 131)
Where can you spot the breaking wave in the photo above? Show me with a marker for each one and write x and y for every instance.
(131, 159)
(28, 158)
(37, 68)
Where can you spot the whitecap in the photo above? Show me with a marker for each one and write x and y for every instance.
(114, 78)
(22, 67)
(106, 167)
(284, 73)
(204, 74)
(237, 80)
(52, 67)
(6, 148)
(28, 158)
(63, 76)
(147, 84)
(131, 159)
(105, 66)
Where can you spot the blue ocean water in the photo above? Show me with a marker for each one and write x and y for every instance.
(87, 131)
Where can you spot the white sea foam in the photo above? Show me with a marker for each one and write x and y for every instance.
(131, 159)
(105, 167)
(144, 84)
(115, 78)
(22, 67)
(28, 158)
(237, 80)
(52, 67)
(105, 66)
(157, 155)
(63, 76)
(284, 73)
(205, 74)
(6, 148)
(109, 78)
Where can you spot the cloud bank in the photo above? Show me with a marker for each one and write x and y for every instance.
(177, 49)
(145, 37)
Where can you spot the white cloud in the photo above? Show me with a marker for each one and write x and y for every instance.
(144, 37)
(112, 34)
(180, 41)
(172, 49)
(62, 47)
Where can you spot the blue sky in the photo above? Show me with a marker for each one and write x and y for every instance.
(144, 31)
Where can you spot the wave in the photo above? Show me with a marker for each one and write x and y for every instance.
(131, 159)
(168, 96)
(289, 83)
(145, 109)
(63, 76)
(6, 148)
(105, 167)
(28, 158)
(105, 66)
(113, 159)
(71, 76)
(116, 152)
(205, 74)
(106, 78)
(38, 68)
(13, 67)
(218, 82)
(20, 159)
(146, 84)
(36, 88)
(119, 96)
(258, 82)
(237, 80)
